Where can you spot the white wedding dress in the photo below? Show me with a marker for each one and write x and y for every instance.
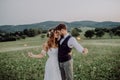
(52, 71)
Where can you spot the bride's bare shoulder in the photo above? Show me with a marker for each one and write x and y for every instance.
(45, 46)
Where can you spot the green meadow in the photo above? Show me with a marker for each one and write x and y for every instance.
(101, 63)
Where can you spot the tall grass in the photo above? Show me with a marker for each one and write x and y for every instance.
(101, 63)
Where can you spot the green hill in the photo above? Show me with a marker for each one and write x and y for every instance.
(50, 24)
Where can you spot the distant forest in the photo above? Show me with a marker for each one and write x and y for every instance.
(49, 24)
(17, 35)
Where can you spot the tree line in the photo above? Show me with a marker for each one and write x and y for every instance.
(13, 36)
(98, 32)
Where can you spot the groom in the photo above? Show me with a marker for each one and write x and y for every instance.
(65, 45)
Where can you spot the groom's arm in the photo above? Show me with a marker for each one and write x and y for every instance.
(73, 43)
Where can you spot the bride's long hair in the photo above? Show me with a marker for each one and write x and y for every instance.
(52, 41)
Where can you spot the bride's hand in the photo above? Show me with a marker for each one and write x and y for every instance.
(30, 54)
(70, 53)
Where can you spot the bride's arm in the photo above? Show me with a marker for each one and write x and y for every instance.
(41, 55)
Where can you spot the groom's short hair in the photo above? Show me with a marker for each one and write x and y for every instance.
(61, 26)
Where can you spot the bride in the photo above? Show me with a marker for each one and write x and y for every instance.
(52, 71)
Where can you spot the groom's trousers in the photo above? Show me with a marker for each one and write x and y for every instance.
(66, 69)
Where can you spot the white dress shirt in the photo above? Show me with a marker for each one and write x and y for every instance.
(72, 42)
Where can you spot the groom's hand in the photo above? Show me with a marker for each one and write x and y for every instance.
(85, 51)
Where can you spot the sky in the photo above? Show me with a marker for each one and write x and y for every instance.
(16, 12)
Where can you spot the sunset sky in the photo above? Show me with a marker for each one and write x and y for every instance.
(15, 12)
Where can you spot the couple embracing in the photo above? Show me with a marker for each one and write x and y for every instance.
(59, 65)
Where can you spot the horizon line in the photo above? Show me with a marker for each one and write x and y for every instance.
(56, 21)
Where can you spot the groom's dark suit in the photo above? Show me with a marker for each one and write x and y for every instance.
(64, 50)
(65, 46)
(65, 59)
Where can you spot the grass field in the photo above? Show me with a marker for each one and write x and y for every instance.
(101, 63)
